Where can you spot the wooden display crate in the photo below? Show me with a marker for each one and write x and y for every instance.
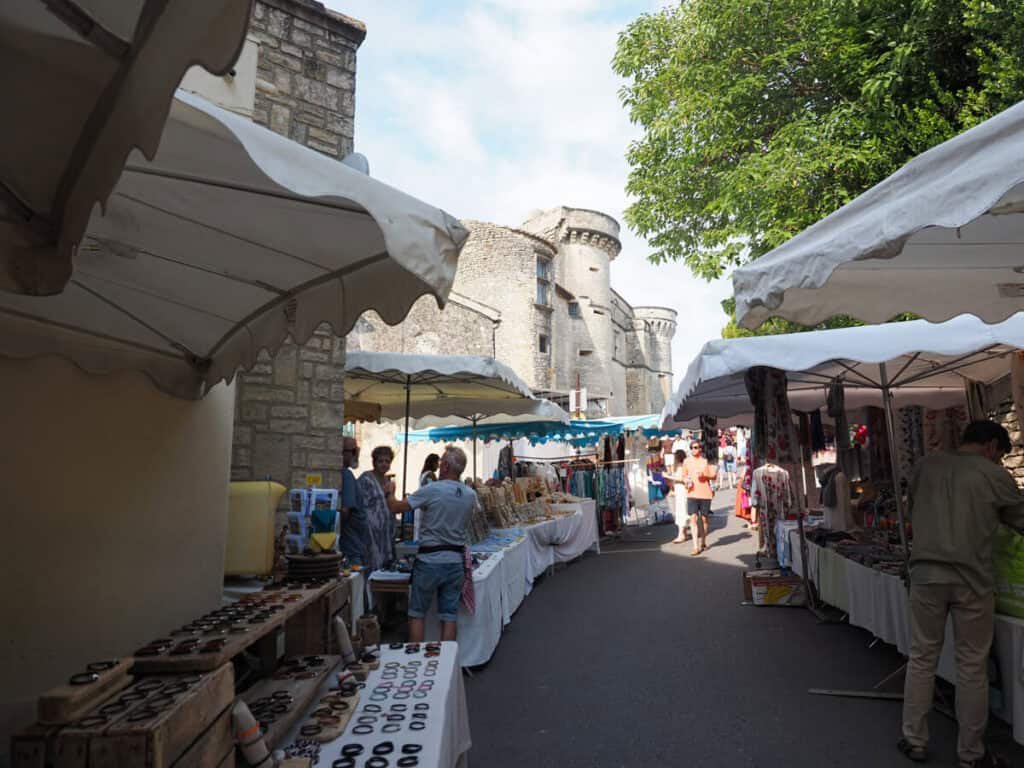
(235, 644)
(193, 730)
(158, 743)
(302, 691)
(311, 630)
(67, 703)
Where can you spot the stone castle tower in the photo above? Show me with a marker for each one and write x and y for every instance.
(539, 298)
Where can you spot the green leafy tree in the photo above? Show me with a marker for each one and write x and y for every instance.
(761, 117)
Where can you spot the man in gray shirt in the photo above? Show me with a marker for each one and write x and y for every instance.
(445, 507)
(958, 501)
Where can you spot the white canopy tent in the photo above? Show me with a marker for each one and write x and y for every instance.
(913, 363)
(485, 412)
(86, 82)
(918, 362)
(443, 386)
(942, 236)
(231, 239)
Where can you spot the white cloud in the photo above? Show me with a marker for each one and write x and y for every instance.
(492, 109)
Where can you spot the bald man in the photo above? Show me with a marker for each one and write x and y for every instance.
(354, 532)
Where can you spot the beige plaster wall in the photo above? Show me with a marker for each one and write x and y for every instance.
(114, 514)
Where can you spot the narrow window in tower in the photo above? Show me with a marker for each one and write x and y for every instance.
(542, 344)
(543, 280)
(586, 352)
(574, 309)
(542, 293)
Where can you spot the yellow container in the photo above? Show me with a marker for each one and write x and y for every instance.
(252, 507)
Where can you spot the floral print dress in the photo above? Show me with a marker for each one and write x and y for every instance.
(380, 524)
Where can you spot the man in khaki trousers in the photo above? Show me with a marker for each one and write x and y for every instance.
(957, 502)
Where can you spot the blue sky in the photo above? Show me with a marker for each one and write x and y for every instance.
(493, 108)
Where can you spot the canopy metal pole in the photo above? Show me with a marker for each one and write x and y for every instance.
(890, 427)
(405, 453)
(475, 418)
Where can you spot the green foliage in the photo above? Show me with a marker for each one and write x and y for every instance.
(761, 117)
(777, 325)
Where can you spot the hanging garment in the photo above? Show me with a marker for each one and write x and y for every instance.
(943, 429)
(909, 439)
(772, 494)
(505, 462)
(709, 438)
(620, 448)
(773, 420)
(817, 432)
(978, 406)
(878, 446)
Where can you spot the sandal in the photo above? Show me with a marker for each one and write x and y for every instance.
(696, 552)
(912, 752)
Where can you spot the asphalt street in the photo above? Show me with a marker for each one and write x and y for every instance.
(644, 656)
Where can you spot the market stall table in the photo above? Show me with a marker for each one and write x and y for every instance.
(561, 539)
(878, 602)
(445, 739)
(515, 557)
(479, 632)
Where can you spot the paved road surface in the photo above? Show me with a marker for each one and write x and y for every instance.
(643, 656)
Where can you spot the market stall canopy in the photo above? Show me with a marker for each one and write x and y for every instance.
(575, 431)
(230, 240)
(491, 413)
(940, 237)
(432, 385)
(86, 82)
(649, 424)
(928, 364)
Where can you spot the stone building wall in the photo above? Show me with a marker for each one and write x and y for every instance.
(463, 328)
(605, 343)
(1014, 461)
(306, 73)
(289, 409)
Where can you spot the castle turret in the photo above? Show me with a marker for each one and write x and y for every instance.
(655, 327)
(587, 243)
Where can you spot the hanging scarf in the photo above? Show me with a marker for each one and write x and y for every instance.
(773, 420)
(709, 438)
(468, 596)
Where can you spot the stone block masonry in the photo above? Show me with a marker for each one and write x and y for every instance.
(289, 409)
(305, 86)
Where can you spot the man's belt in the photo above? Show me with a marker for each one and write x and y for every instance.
(426, 550)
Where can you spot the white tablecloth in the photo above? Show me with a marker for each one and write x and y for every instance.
(561, 539)
(878, 602)
(479, 632)
(446, 739)
(513, 579)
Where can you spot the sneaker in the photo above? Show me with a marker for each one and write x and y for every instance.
(912, 752)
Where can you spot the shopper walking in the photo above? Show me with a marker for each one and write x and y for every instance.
(679, 510)
(729, 465)
(697, 476)
(957, 502)
(439, 569)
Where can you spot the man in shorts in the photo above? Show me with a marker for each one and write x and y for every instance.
(697, 475)
(439, 569)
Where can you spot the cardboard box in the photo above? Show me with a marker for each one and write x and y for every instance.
(777, 589)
